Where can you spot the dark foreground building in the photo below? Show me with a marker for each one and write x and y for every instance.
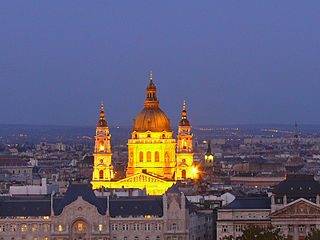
(294, 208)
(79, 214)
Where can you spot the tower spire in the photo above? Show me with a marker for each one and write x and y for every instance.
(184, 111)
(151, 100)
(184, 120)
(102, 121)
(209, 148)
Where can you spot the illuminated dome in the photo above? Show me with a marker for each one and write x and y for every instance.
(151, 118)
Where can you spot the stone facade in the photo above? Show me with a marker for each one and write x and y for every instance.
(79, 214)
(153, 153)
(294, 208)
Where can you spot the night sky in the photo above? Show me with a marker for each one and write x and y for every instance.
(235, 62)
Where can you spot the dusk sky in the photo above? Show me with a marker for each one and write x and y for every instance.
(235, 62)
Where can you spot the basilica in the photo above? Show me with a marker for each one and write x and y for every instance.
(156, 160)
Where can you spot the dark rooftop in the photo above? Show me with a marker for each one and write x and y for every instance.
(23, 206)
(297, 186)
(250, 203)
(12, 161)
(119, 206)
(72, 194)
(136, 206)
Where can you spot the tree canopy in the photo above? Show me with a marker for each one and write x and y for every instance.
(254, 232)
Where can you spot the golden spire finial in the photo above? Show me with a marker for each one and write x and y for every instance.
(102, 117)
(184, 111)
(151, 75)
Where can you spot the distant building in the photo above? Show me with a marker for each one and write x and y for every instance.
(15, 165)
(42, 189)
(208, 157)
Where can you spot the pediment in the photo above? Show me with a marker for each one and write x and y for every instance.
(101, 165)
(183, 165)
(79, 208)
(299, 208)
(141, 178)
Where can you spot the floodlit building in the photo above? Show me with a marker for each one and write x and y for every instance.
(156, 159)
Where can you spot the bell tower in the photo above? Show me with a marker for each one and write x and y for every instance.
(102, 169)
(185, 168)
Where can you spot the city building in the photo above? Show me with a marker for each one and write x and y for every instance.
(80, 214)
(15, 165)
(156, 160)
(294, 208)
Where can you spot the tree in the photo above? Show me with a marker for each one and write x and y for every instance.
(254, 232)
(313, 235)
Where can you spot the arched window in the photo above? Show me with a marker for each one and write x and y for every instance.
(148, 156)
(174, 226)
(101, 146)
(141, 156)
(156, 156)
(101, 174)
(183, 173)
(166, 157)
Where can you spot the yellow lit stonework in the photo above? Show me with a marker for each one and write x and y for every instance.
(156, 160)
(185, 168)
(102, 169)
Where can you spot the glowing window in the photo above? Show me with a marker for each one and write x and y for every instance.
(60, 228)
(141, 156)
(101, 146)
(46, 227)
(148, 156)
(13, 228)
(101, 174)
(34, 227)
(23, 228)
(80, 227)
(100, 227)
(156, 156)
